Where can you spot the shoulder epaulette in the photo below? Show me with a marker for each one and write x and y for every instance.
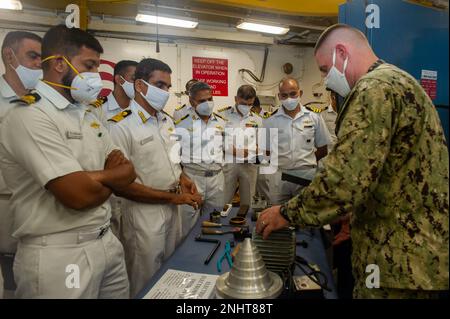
(255, 114)
(224, 109)
(180, 107)
(313, 108)
(181, 119)
(99, 102)
(27, 99)
(220, 116)
(266, 115)
(273, 113)
(120, 116)
(165, 113)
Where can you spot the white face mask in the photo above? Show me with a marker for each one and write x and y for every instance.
(86, 87)
(244, 109)
(206, 108)
(290, 103)
(336, 80)
(156, 97)
(28, 77)
(128, 88)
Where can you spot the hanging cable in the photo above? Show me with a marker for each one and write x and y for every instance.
(263, 70)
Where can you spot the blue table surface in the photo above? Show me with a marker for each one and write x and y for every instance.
(190, 255)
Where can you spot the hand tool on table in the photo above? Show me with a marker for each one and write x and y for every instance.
(225, 210)
(206, 223)
(227, 255)
(208, 240)
(214, 217)
(209, 231)
(235, 251)
(238, 221)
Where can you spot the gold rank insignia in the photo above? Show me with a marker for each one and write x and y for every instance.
(272, 113)
(315, 107)
(120, 116)
(99, 102)
(27, 99)
(142, 116)
(183, 118)
(95, 125)
(167, 114)
(180, 107)
(170, 129)
(266, 115)
(219, 127)
(224, 108)
(220, 116)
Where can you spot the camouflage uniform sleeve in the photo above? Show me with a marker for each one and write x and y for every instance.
(352, 168)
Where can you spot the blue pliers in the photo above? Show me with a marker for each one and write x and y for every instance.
(226, 254)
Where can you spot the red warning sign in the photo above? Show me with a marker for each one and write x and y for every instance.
(212, 71)
(428, 80)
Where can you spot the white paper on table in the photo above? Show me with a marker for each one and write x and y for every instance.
(175, 284)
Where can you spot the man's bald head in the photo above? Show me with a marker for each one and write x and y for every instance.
(289, 87)
(289, 81)
(349, 44)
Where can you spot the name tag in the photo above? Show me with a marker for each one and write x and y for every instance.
(146, 140)
(307, 126)
(71, 135)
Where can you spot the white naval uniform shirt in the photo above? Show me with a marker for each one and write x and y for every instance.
(329, 116)
(6, 95)
(182, 111)
(298, 138)
(150, 143)
(250, 122)
(202, 145)
(41, 142)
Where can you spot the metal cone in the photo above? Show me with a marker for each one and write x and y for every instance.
(249, 278)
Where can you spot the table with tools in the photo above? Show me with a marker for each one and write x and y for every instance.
(215, 240)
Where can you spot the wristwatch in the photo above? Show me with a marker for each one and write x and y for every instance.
(283, 212)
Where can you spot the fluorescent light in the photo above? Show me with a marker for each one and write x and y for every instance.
(180, 23)
(10, 4)
(262, 28)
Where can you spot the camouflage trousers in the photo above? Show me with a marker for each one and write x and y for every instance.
(362, 292)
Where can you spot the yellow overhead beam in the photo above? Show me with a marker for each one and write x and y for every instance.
(290, 7)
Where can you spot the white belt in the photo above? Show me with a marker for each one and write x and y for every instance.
(69, 238)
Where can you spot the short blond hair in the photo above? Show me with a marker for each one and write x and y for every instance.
(332, 29)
